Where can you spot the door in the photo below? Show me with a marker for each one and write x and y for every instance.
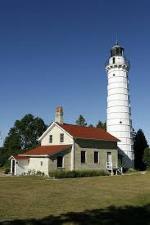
(13, 167)
(59, 162)
(109, 160)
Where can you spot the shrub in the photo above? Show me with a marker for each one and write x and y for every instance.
(39, 173)
(147, 158)
(131, 170)
(33, 173)
(77, 173)
(7, 171)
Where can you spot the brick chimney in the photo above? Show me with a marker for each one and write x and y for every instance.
(59, 115)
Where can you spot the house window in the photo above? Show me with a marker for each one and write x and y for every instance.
(59, 162)
(95, 157)
(61, 137)
(83, 156)
(50, 138)
(113, 60)
(41, 163)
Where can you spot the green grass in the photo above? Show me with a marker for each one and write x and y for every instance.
(94, 200)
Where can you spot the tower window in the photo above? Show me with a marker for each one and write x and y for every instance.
(113, 60)
(120, 122)
(114, 75)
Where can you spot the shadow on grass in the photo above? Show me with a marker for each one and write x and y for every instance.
(128, 215)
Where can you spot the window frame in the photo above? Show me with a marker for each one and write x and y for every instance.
(61, 137)
(83, 161)
(62, 161)
(50, 138)
(97, 157)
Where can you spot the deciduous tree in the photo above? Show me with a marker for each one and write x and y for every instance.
(23, 135)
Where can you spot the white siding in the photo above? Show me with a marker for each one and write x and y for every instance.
(55, 132)
(32, 165)
(21, 166)
(35, 164)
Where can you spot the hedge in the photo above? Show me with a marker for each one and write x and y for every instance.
(77, 173)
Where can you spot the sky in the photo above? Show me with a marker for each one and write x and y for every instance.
(53, 52)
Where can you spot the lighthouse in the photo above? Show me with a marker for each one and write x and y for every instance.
(119, 121)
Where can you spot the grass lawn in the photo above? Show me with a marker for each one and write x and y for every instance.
(97, 200)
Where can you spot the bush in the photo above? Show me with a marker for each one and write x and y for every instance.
(77, 173)
(39, 173)
(131, 170)
(33, 173)
(7, 171)
(147, 158)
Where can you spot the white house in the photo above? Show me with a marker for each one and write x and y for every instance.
(68, 147)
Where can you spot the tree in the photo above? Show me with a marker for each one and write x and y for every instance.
(147, 157)
(23, 135)
(101, 124)
(140, 143)
(91, 125)
(81, 121)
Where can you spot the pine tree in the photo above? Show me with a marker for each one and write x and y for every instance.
(91, 125)
(147, 157)
(101, 124)
(140, 143)
(81, 121)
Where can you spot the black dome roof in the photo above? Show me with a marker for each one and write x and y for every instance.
(117, 50)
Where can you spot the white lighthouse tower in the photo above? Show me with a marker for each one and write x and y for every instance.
(119, 121)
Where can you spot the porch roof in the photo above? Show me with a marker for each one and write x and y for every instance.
(19, 157)
(46, 150)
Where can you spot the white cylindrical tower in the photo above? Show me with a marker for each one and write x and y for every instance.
(119, 121)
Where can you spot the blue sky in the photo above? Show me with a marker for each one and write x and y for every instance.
(53, 52)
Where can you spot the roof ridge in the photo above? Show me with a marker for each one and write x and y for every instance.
(82, 126)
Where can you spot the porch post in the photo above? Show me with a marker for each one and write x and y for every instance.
(73, 156)
(11, 166)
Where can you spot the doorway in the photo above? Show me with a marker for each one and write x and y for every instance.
(13, 167)
(59, 162)
(109, 160)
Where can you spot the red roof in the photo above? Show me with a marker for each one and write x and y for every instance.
(20, 157)
(47, 150)
(88, 132)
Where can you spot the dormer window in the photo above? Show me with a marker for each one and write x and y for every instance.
(50, 138)
(62, 137)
